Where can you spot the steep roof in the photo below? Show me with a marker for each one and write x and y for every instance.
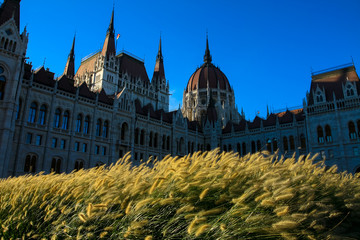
(84, 91)
(66, 84)
(105, 98)
(44, 77)
(332, 81)
(8, 9)
(159, 72)
(88, 64)
(133, 67)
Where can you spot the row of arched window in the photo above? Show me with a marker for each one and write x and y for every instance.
(327, 137)
(139, 138)
(61, 120)
(8, 45)
(30, 164)
(271, 145)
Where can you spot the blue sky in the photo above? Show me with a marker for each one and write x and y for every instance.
(266, 48)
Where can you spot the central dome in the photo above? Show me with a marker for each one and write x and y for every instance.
(208, 74)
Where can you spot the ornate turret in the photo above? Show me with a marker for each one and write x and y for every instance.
(207, 56)
(10, 9)
(159, 72)
(69, 70)
(109, 43)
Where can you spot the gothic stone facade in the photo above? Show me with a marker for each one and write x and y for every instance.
(109, 107)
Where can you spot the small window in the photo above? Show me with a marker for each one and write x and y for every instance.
(77, 146)
(323, 154)
(28, 138)
(38, 140)
(65, 122)
(352, 132)
(78, 123)
(104, 151)
(84, 147)
(98, 128)
(63, 144)
(86, 125)
(97, 149)
(42, 115)
(54, 143)
(356, 151)
(57, 118)
(32, 112)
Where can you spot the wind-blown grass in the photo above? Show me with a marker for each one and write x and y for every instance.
(207, 195)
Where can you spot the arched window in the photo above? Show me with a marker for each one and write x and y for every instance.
(30, 164)
(79, 164)
(192, 147)
(168, 143)
(150, 139)
(328, 134)
(224, 148)
(32, 112)
(292, 143)
(65, 122)
(208, 147)
(56, 165)
(285, 143)
(275, 144)
(136, 137)
(320, 134)
(352, 132)
(243, 148)
(78, 123)
(253, 150)
(57, 118)
(238, 148)
(268, 145)
(2, 83)
(181, 145)
(98, 128)
(156, 140)
(105, 131)
(302, 142)
(99, 164)
(86, 125)
(163, 145)
(124, 131)
(142, 137)
(42, 115)
(230, 148)
(258, 145)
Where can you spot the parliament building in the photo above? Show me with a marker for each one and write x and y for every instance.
(108, 106)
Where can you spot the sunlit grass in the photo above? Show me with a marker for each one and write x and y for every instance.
(207, 195)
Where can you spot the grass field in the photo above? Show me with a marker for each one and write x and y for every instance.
(207, 195)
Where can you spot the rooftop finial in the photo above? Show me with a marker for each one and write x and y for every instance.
(207, 56)
(159, 55)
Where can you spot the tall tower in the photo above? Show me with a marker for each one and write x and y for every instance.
(160, 85)
(69, 70)
(209, 83)
(13, 47)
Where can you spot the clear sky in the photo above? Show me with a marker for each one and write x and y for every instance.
(265, 48)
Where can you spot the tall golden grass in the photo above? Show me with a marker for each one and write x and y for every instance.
(207, 195)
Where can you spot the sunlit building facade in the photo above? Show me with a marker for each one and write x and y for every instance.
(109, 106)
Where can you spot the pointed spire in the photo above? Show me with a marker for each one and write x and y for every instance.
(69, 70)
(10, 9)
(109, 43)
(159, 72)
(207, 56)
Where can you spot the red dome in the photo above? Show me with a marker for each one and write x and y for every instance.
(208, 72)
